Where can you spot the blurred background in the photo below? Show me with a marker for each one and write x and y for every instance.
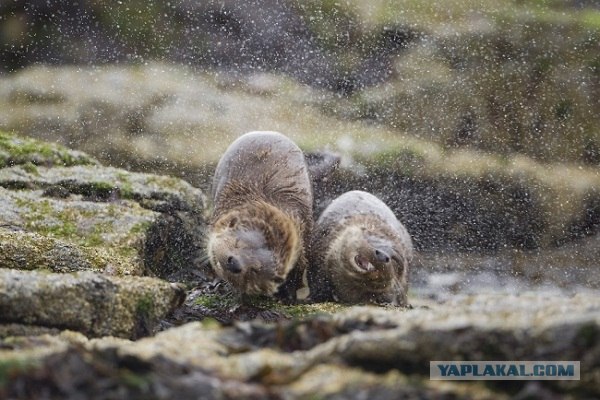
(477, 121)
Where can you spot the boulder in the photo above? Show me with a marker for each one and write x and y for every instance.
(72, 230)
(88, 302)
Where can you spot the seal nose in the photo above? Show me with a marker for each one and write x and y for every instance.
(233, 265)
(382, 256)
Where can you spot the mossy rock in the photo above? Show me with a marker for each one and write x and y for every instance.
(41, 251)
(18, 150)
(356, 353)
(89, 217)
(91, 303)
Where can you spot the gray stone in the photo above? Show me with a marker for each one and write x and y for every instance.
(91, 303)
(363, 352)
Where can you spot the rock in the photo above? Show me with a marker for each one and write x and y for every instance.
(32, 251)
(452, 198)
(74, 217)
(361, 352)
(63, 213)
(91, 303)
(16, 150)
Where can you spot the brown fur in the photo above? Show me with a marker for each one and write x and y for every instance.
(342, 235)
(262, 216)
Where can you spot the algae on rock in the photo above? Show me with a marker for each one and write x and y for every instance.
(63, 213)
(94, 304)
(361, 352)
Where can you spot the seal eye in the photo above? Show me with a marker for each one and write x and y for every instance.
(233, 222)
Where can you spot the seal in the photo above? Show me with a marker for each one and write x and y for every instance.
(262, 216)
(360, 253)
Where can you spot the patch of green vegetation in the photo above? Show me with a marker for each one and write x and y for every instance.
(295, 311)
(140, 227)
(125, 186)
(30, 168)
(217, 302)
(591, 19)
(64, 230)
(41, 215)
(145, 307)
(10, 367)
(94, 238)
(23, 150)
(134, 380)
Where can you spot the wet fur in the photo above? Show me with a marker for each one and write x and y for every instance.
(331, 279)
(275, 200)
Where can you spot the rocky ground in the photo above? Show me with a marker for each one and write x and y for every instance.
(361, 352)
(104, 294)
(475, 121)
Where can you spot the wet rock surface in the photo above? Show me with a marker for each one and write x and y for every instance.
(91, 303)
(360, 352)
(79, 319)
(71, 230)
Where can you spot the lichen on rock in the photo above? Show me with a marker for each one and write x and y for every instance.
(76, 238)
(363, 352)
(88, 302)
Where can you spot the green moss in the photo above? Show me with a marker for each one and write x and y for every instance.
(125, 187)
(23, 150)
(210, 323)
(134, 380)
(217, 302)
(64, 230)
(297, 311)
(145, 306)
(591, 19)
(30, 168)
(11, 367)
(94, 238)
(140, 227)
